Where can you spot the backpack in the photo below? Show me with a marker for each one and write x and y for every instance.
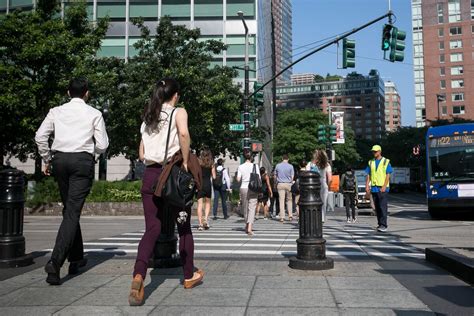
(218, 181)
(349, 182)
(255, 183)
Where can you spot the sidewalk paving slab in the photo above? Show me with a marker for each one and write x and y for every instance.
(229, 288)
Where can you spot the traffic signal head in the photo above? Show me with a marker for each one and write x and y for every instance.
(322, 133)
(332, 133)
(386, 37)
(258, 97)
(348, 53)
(397, 45)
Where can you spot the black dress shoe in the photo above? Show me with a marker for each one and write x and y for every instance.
(52, 269)
(74, 266)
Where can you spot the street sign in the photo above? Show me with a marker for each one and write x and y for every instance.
(237, 127)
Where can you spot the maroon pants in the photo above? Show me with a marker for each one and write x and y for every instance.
(153, 210)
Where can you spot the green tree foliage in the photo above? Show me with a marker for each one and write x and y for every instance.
(398, 146)
(39, 52)
(209, 95)
(296, 135)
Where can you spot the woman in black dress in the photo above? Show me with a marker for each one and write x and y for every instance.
(265, 195)
(204, 196)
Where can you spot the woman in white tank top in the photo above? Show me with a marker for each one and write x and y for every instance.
(157, 117)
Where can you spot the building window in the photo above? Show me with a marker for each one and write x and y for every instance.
(457, 83)
(439, 7)
(456, 57)
(441, 32)
(441, 58)
(441, 45)
(472, 11)
(457, 97)
(442, 84)
(458, 70)
(456, 30)
(444, 110)
(458, 110)
(442, 71)
(454, 10)
(455, 44)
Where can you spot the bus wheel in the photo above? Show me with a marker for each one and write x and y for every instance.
(435, 213)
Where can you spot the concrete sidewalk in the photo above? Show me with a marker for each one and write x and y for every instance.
(229, 288)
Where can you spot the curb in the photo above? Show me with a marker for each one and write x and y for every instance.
(460, 266)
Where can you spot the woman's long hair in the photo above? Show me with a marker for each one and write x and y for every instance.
(163, 92)
(322, 159)
(205, 158)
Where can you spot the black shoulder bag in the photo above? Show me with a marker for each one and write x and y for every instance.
(255, 183)
(180, 187)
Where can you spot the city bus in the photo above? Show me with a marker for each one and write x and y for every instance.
(450, 169)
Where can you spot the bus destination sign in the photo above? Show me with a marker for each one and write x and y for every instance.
(452, 141)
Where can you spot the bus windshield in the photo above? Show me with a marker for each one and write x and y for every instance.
(451, 157)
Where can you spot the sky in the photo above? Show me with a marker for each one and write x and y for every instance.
(314, 20)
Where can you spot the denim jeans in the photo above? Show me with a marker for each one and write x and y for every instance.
(222, 194)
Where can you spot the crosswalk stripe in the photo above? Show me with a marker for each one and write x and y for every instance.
(271, 239)
(270, 252)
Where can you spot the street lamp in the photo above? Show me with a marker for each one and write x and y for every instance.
(440, 98)
(246, 85)
(103, 157)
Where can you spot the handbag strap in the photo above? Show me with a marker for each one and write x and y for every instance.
(168, 137)
(254, 168)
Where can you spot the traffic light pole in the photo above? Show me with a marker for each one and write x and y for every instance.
(246, 87)
(355, 30)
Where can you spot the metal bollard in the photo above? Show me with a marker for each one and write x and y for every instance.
(311, 246)
(165, 253)
(12, 202)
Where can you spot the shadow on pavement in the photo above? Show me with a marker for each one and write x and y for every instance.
(456, 294)
(93, 260)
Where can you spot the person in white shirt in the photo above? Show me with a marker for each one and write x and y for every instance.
(79, 132)
(248, 198)
(222, 185)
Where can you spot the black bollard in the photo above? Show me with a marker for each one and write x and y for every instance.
(166, 247)
(12, 202)
(311, 246)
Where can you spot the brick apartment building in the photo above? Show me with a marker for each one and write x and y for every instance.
(355, 90)
(393, 109)
(443, 47)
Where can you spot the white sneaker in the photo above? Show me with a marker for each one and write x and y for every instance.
(354, 220)
(349, 220)
(382, 229)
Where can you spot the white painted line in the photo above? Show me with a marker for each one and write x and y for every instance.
(266, 252)
(110, 244)
(40, 231)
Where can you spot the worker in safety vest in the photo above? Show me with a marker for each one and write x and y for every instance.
(378, 183)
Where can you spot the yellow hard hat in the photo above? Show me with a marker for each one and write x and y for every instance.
(376, 148)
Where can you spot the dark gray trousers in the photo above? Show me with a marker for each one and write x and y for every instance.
(74, 173)
(381, 207)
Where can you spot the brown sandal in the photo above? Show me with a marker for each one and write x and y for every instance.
(137, 293)
(189, 284)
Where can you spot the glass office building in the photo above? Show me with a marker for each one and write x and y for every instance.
(217, 19)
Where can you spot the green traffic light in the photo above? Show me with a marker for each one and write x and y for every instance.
(397, 45)
(386, 44)
(348, 53)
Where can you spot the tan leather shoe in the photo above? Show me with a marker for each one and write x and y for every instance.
(196, 280)
(137, 293)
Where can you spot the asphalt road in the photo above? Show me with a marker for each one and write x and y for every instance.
(399, 253)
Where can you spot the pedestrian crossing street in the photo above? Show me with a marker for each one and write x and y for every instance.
(272, 240)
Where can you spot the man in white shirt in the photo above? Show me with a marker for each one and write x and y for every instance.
(79, 132)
